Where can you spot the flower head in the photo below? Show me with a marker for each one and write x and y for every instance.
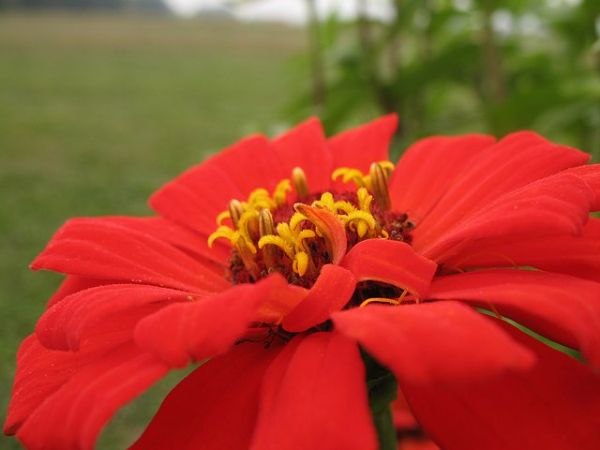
(294, 265)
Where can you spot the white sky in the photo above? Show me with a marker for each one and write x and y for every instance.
(291, 11)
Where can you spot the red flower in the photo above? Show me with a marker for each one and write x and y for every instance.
(453, 232)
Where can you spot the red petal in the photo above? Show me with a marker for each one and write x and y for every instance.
(207, 327)
(554, 406)
(557, 205)
(433, 342)
(560, 307)
(417, 444)
(62, 399)
(213, 408)
(331, 227)
(363, 145)
(429, 167)
(314, 396)
(101, 309)
(74, 415)
(194, 244)
(72, 284)
(390, 262)
(402, 415)
(277, 304)
(196, 197)
(305, 146)
(513, 162)
(573, 255)
(591, 175)
(330, 293)
(95, 248)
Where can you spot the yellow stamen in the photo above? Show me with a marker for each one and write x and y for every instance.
(379, 185)
(360, 221)
(222, 217)
(362, 180)
(248, 228)
(296, 219)
(277, 241)
(326, 201)
(247, 251)
(267, 228)
(265, 222)
(223, 232)
(280, 193)
(235, 211)
(404, 292)
(343, 206)
(364, 199)
(349, 174)
(300, 183)
(389, 301)
(300, 264)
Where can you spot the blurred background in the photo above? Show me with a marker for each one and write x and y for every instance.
(102, 101)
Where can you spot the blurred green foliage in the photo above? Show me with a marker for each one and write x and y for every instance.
(452, 66)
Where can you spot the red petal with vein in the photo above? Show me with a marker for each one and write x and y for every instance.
(363, 145)
(331, 227)
(63, 326)
(305, 146)
(72, 417)
(192, 200)
(433, 342)
(591, 175)
(95, 248)
(72, 284)
(556, 205)
(390, 262)
(553, 406)
(314, 395)
(560, 307)
(513, 162)
(573, 255)
(207, 327)
(194, 244)
(213, 408)
(40, 372)
(429, 167)
(330, 293)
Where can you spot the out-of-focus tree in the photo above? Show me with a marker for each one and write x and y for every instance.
(450, 66)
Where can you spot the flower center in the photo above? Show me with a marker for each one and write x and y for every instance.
(271, 233)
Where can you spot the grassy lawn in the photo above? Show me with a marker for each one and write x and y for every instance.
(95, 113)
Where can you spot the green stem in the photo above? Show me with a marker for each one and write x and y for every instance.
(383, 389)
(386, 432)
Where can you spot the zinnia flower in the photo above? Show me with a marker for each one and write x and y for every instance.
(329, 270)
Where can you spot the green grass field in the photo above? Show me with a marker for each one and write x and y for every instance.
(96, 112)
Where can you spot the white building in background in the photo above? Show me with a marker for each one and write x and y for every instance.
(287, 11)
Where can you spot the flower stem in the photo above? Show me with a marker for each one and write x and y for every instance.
(382, 388)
